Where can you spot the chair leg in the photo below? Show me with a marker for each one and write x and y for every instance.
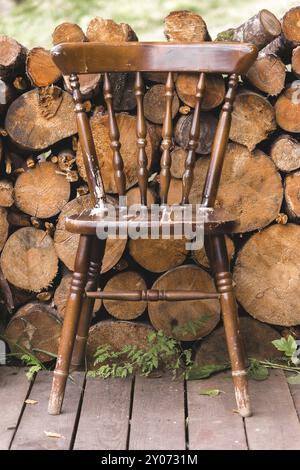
(217, 252)
(96, 256)
(69, 326)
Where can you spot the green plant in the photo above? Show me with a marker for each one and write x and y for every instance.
(190, 326)
(163, 351)
(28, 358)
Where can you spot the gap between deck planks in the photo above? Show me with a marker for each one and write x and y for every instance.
(14, 388)
(148, 414)
(36, 422)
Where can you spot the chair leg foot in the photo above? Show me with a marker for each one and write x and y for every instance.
(57, 393)
(242, 395)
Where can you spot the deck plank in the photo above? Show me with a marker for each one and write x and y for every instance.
(14, 388)
(104, 418)
(212, 423)
(274, 424)
(36, 421)
(158, 417)
(295, 393)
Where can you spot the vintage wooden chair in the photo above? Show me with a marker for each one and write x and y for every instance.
(80, 58)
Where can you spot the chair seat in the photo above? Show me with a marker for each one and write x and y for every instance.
(118, 220)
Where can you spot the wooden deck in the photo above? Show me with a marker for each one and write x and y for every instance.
(141, 413)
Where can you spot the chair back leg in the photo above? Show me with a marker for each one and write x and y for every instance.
(70, 324)
(217, 253)
(93, 275)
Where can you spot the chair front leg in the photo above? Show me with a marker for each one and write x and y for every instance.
(69, 326)
(217, 252)
(93, 274)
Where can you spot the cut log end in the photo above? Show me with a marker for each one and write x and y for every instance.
(266, 275)
(155, 104)
(29, 260)
(122, 310)
(185, 320)
(267, 74)
(285, 153)
(42, 191)
(127, 127)
(40, 118)
(253, 119)
(102, 30)
(67, 32)
(66, 243)
(40, 67)
(61, 296)
(214, 94)
(291, 25)
(185, 26)
(158, 255)
(287, 108)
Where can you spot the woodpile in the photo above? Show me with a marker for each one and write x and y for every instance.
(43, 180)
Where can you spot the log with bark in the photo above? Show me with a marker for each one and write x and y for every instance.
(258, 30)
(6, 193)
(12, 58)
(40, 67)
(296, 61)
(36, 328)
(117, 334)
(292, 195)
(257, 337)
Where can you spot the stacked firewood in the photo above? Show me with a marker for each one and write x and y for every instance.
(43, 180)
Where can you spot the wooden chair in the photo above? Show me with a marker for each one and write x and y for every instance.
(209, 57)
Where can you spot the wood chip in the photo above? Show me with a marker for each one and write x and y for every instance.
(53, 434)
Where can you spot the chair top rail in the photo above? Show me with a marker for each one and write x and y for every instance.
(210, 57)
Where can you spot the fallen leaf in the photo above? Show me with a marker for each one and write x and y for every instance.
(30, 402)
(214, 392)
(53, 434)
(294, 379)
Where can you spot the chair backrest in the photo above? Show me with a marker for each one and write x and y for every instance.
(206, 57)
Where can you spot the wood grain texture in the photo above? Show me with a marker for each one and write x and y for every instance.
(104, 416)
(14, 388)
(158, 420)
(154, 57)
(35, 420)
(210, 419)
(274, 424)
